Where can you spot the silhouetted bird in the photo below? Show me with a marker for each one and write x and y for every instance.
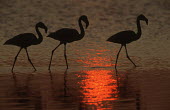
(25, 40)
(67, 35)
(126, 37)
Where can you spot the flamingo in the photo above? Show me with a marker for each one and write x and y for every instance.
(67, 35)
(126, 37)
(25, 40)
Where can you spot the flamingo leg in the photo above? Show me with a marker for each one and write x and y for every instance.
(117, 58)
(52, 55)
(65, 55)
(129, 57)
(65, 83)
(15, 59)
(29, 59)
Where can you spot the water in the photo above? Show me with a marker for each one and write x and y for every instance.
(90, 83)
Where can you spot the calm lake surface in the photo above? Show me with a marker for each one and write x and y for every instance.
(90, 83)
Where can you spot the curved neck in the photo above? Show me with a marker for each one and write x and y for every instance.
(40, 37)
(139, 32)
(82, 33)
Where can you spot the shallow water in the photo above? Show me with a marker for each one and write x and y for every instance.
(90, 83)
(86, 89)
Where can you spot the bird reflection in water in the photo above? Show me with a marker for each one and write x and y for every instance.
(65, 84)
(22, 93)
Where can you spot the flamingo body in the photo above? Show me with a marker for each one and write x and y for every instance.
(22, 40)
(65, 35)
(25, 40)
(68, 35)
(123, 37)
(126, 37)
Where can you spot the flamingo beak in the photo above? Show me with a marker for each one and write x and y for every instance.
(87, 24)
(147, 22)
(46, 29)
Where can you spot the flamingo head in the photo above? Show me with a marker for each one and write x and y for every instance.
(85, 19)
(142, 17)
(42, 25)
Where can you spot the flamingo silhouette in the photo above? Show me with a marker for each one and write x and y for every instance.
(25, 40)
(126, 37)
(67, 35)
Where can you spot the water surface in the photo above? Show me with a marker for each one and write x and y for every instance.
(90, 83)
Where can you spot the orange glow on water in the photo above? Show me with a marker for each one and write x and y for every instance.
(96, 58)
(99, 88)
(96, 62)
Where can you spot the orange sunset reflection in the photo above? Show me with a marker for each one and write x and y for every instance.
(96, 58)
(98, 85)
(99, 88)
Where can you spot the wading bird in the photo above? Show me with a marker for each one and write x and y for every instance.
(126, 37)
(67, 35)
(25, 40)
